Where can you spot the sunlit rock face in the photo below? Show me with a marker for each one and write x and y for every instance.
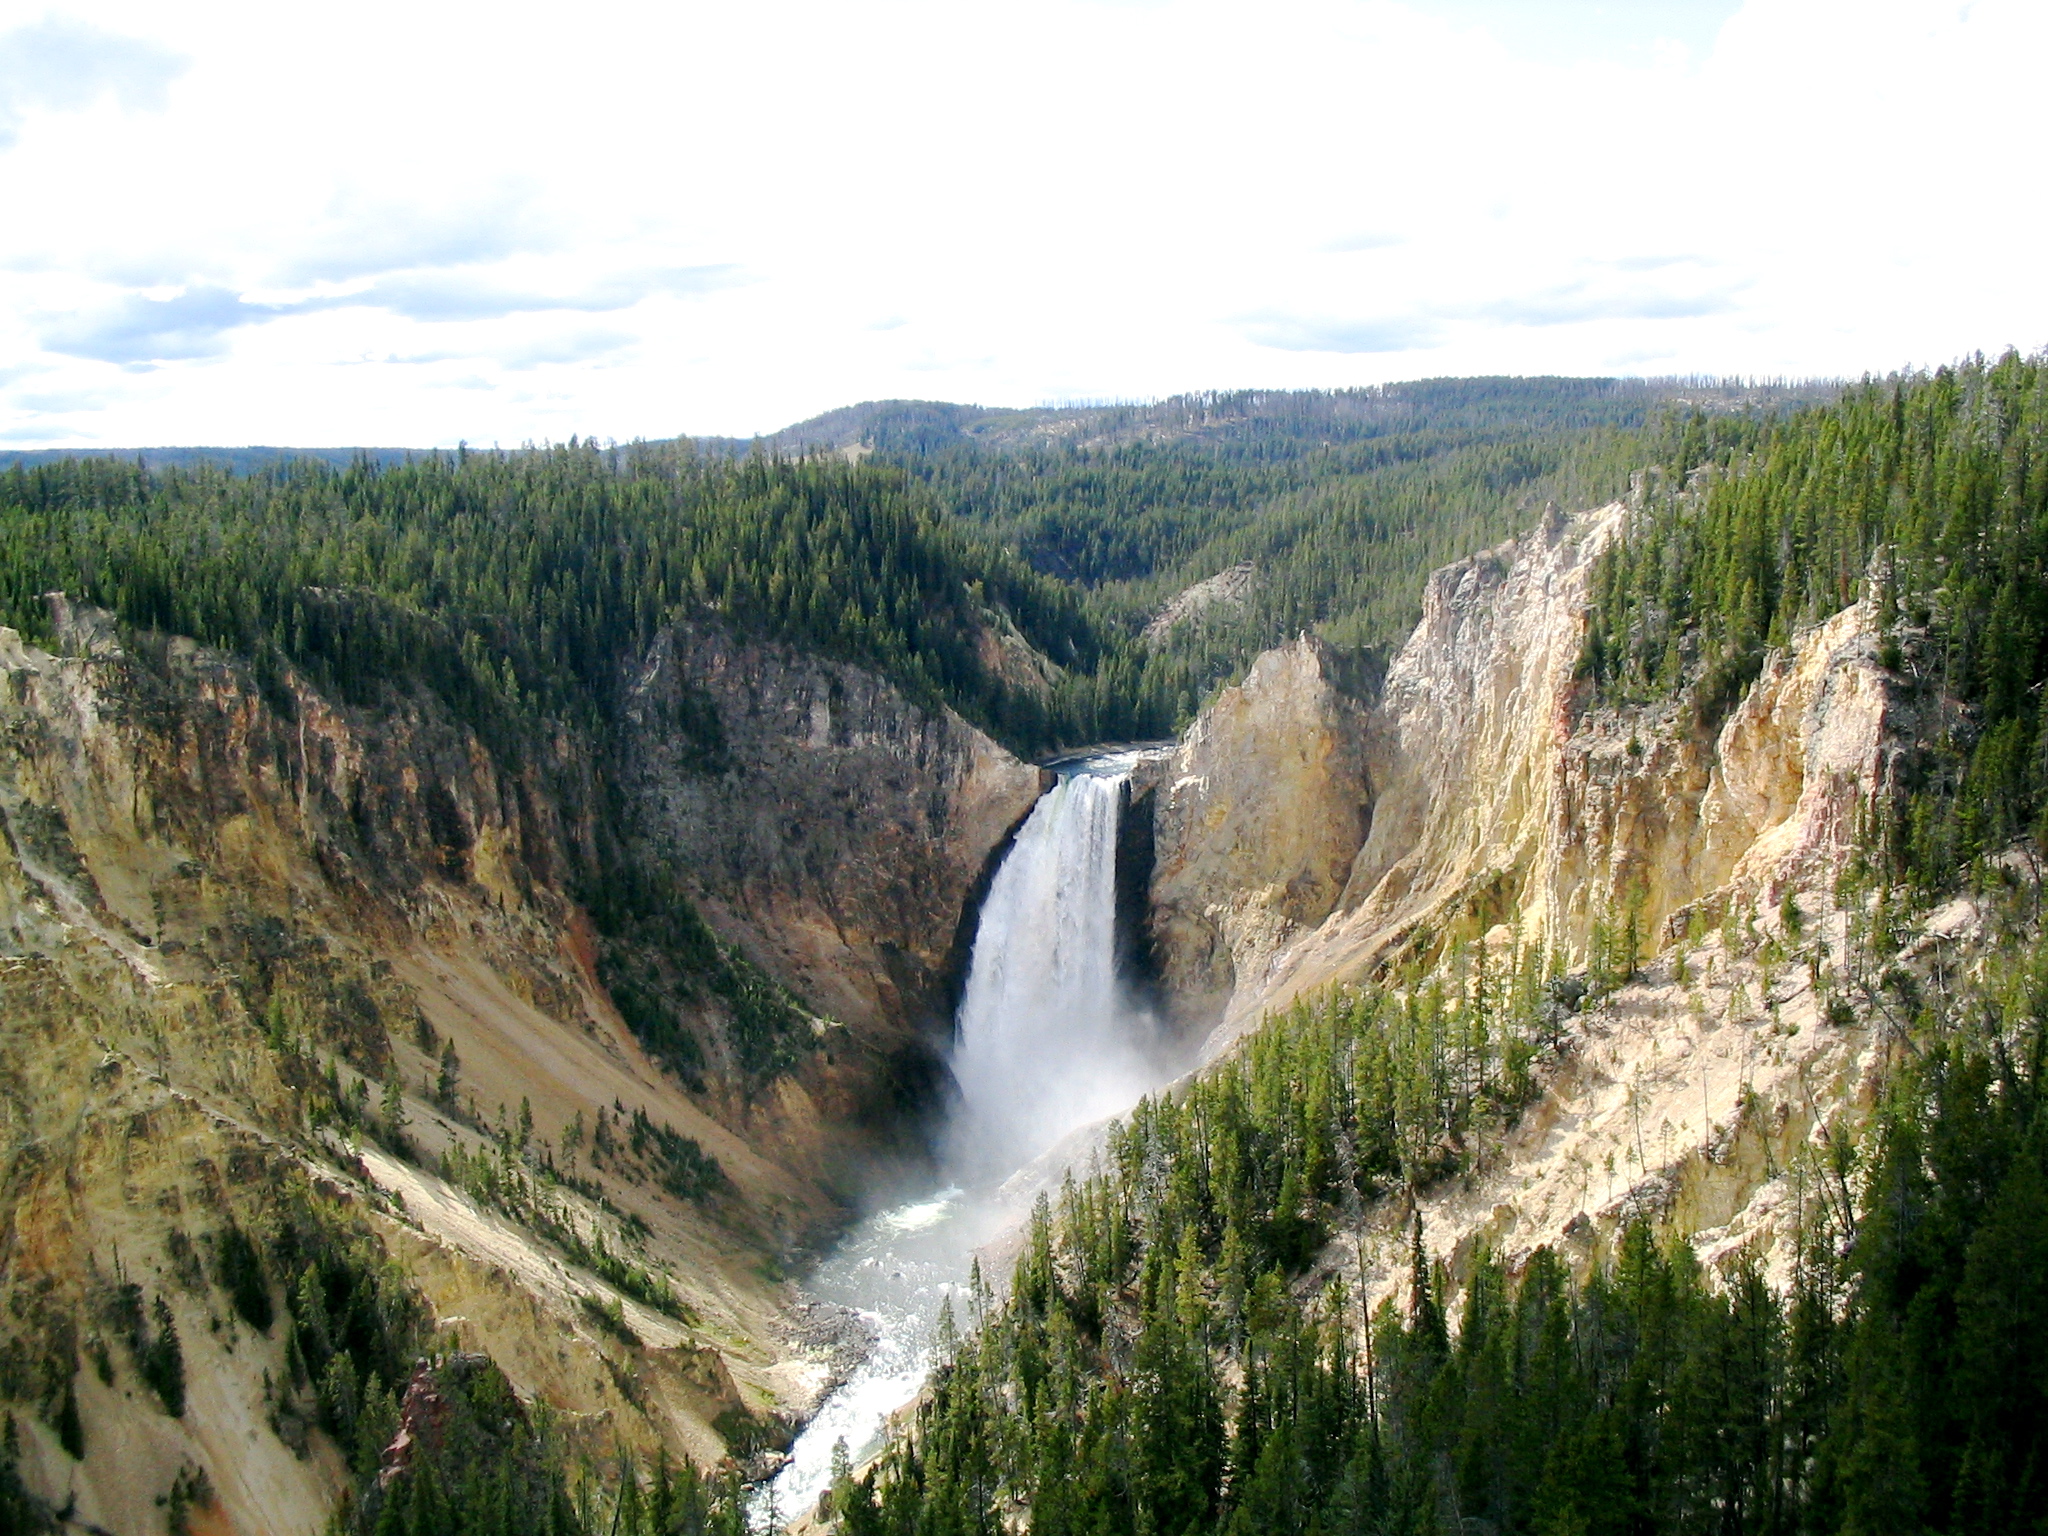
(1486, 798)
(1483, 788)
(217, 886)
(1259, 815)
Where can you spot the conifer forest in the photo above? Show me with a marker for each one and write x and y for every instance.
(1184, 1345)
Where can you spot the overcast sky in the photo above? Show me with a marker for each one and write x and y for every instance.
(417, 223)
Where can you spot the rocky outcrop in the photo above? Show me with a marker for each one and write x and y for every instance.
(832, 828)
(1259, 815)
(1574, 814)
(1704, 1096)
(1487, 806)
(232, 905)
(1495, 794)
(1228, 590)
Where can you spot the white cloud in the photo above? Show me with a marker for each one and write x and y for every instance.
(61, 65)
(387, 231)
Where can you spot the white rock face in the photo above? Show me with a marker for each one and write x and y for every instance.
(1499, 803)
(1700, 1098)
(1226, 589)
(1260, 813)
(1495, 794)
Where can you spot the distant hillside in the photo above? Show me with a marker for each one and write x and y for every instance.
(1339, 501)
(240, 461)
(1258, 422)
(1334, 503)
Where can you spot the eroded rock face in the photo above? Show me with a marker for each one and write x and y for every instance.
(1258, 817)
(1509, 811)
(836, 831)
(1483, 797)
(214, 892)
(202, 886)
(1492, 793)
(1475, 712)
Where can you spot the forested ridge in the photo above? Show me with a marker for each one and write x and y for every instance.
(1929, 494)
(518, 586)
(1342, 501)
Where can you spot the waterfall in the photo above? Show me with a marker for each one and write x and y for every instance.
(1049, 1039)
(1049, 1035)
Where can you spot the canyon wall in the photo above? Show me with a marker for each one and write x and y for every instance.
(1256, 821)
(1484, 786)
(244, 927)
(833, 830)
(232, 907)
(1485, 804)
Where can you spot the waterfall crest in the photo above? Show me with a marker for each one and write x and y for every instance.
(1050, 1037)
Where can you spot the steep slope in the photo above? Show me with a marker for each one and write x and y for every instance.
(1605, 1145)
(1259, 816)
(845, 830)
(1484, 809)
(296, 988)
(1492, 791)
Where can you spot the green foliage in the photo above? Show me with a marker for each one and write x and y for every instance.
(1614, 948)
(1343, 501)
(478, 1460)
(151, 1334)
(356, 1322)
(448, 1077)
(747, 1434)
(660, 962)
(70, 1427)
(490, 1465)
(243, 1277)
(391, 1115)
(610, 1315)
(191, 1489)
(160, 1360)
(519, 586)
(522, 1187)
(682, 1167)
(1160, 1366)
(1929, 493)
(20, 1510)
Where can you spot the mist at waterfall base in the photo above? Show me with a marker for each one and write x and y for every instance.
(1050, 1038)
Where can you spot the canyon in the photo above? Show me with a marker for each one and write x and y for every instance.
(227, 900)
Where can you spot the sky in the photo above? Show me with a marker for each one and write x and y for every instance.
(422, 223)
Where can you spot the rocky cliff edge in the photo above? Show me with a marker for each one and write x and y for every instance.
(1486, 805)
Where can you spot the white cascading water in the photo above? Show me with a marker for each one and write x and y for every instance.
(1048, 1040)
